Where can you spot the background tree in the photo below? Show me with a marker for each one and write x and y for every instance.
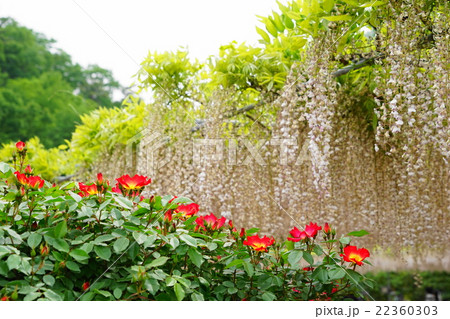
(42, 92)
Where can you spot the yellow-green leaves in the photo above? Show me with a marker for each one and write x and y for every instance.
(344, 17)
(263, 34)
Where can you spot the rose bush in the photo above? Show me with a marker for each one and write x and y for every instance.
(92, 242)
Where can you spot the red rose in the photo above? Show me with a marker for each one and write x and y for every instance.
(259, 244)
(168, 216)
(44, 250)
(188, 210)
(28, 170)
(326, 228)
(354, 255)
(135, 183)
(297, 235)
(85, 286)
(312, 229)
(20, 146)
(35, 182)
(21, 178)
(87, 189)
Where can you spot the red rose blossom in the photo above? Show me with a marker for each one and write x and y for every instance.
(312, 229)
(297, 235)
(35, 182)
(188, 210)
(326, 228)
(87, 190)
(259, 244)
(209, 222)
(354, 255)
(168, 216)
(28, 170)
(135, 183)
(20, 146)
(85, 285)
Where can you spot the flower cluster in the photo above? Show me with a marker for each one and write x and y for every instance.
(309, 232)
(32, 182)
(131, 186)
(259, 244)
(354, 255)
(209, 222)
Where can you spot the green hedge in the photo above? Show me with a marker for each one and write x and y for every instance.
(408, 285)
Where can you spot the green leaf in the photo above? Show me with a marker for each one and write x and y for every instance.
(195, 257)
(13, 261)
(289, 245)
(343, 17)
(13, 234)
(287, 21)
(263, 34)
(121, 244)
(336, 273)
(211, 246)
(5, 167)
(174, 242)
(117, 293)
(236, 262)
(373, 4)
(49, 280)
(358, 233)
(149, 241)
(307, 256)
(88, 296)
(61, 245)
(34, 240)
(76, 197)
(251, 231)
(53, 296)
(79, 254)
(158, 262)
(104, 293)
(294, 258)
(104, 252)
(72, 266)
(268, 296)
(232, 290)
(103, 238)
(191, 241)
(4, 251)
(124, 202)
(345, 240)
(179, 291)
(293, 15)
(139, 237)
(328, 5)
(151, 285)
(320, 274)
(32, 296)
(248, 267)
(196, 296)
(60, 230)
(170, 281)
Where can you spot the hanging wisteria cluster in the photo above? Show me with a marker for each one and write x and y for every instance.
(392, 176)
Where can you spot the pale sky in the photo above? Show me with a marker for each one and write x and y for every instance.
(117, 35)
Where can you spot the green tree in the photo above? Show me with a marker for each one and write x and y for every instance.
(42, 106)
(42, 92)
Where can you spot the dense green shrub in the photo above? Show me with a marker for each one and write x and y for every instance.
(94, 242)
(408, 285)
